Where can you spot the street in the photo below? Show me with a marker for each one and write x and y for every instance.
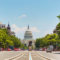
(55, 55)
(8, 54)
(29, 55)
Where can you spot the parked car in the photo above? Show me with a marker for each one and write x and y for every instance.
(17, 49)
(33, 50)
(8, 49)
(40, 49)
(1, 49)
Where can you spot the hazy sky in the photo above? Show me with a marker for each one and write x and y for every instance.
(39, 14)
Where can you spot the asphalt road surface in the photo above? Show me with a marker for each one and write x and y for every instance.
(55, 55)
(29, 55)
(19, 55)
(8, 54)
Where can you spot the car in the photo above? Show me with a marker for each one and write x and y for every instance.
(16, 49)
(8, 49)
(33, 50)
(20, 49)
(1, 49)
(40, 49)
(48, 50)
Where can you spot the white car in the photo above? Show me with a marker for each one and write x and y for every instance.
(48, 50)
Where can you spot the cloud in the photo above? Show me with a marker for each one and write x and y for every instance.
(48, 32)
(14, 18)
(34, 29)
(18, 30)
(22, 16)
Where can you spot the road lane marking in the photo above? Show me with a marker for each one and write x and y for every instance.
(13, 57)
(19, 57)
(45, 57)
(40, 57)
(30, 58)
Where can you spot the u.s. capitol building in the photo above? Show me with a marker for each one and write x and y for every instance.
(28, 37)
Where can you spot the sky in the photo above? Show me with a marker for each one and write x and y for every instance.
(40, 15)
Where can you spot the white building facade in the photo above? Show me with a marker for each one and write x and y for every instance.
(7, 27)
(28, 37)
(2, 25)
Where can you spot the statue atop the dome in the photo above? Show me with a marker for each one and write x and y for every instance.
(28, 26)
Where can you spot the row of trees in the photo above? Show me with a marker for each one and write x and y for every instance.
(7, 40)
(50, 39)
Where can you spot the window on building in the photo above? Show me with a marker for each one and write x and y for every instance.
(2, 26)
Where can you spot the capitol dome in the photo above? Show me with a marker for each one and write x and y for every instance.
(28, 34)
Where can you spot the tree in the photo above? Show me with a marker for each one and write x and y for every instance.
(9, 43)
(37, 43)
(16, 41)
(7, 40)
(58, 26)
(49, 39)
(58, 17)
(32, 47)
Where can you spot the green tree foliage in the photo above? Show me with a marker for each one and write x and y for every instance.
(58, 26)
(49, 39)
(58, 17)
(58, 29)
(7, 40)
(16, 41)
(46, 41)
